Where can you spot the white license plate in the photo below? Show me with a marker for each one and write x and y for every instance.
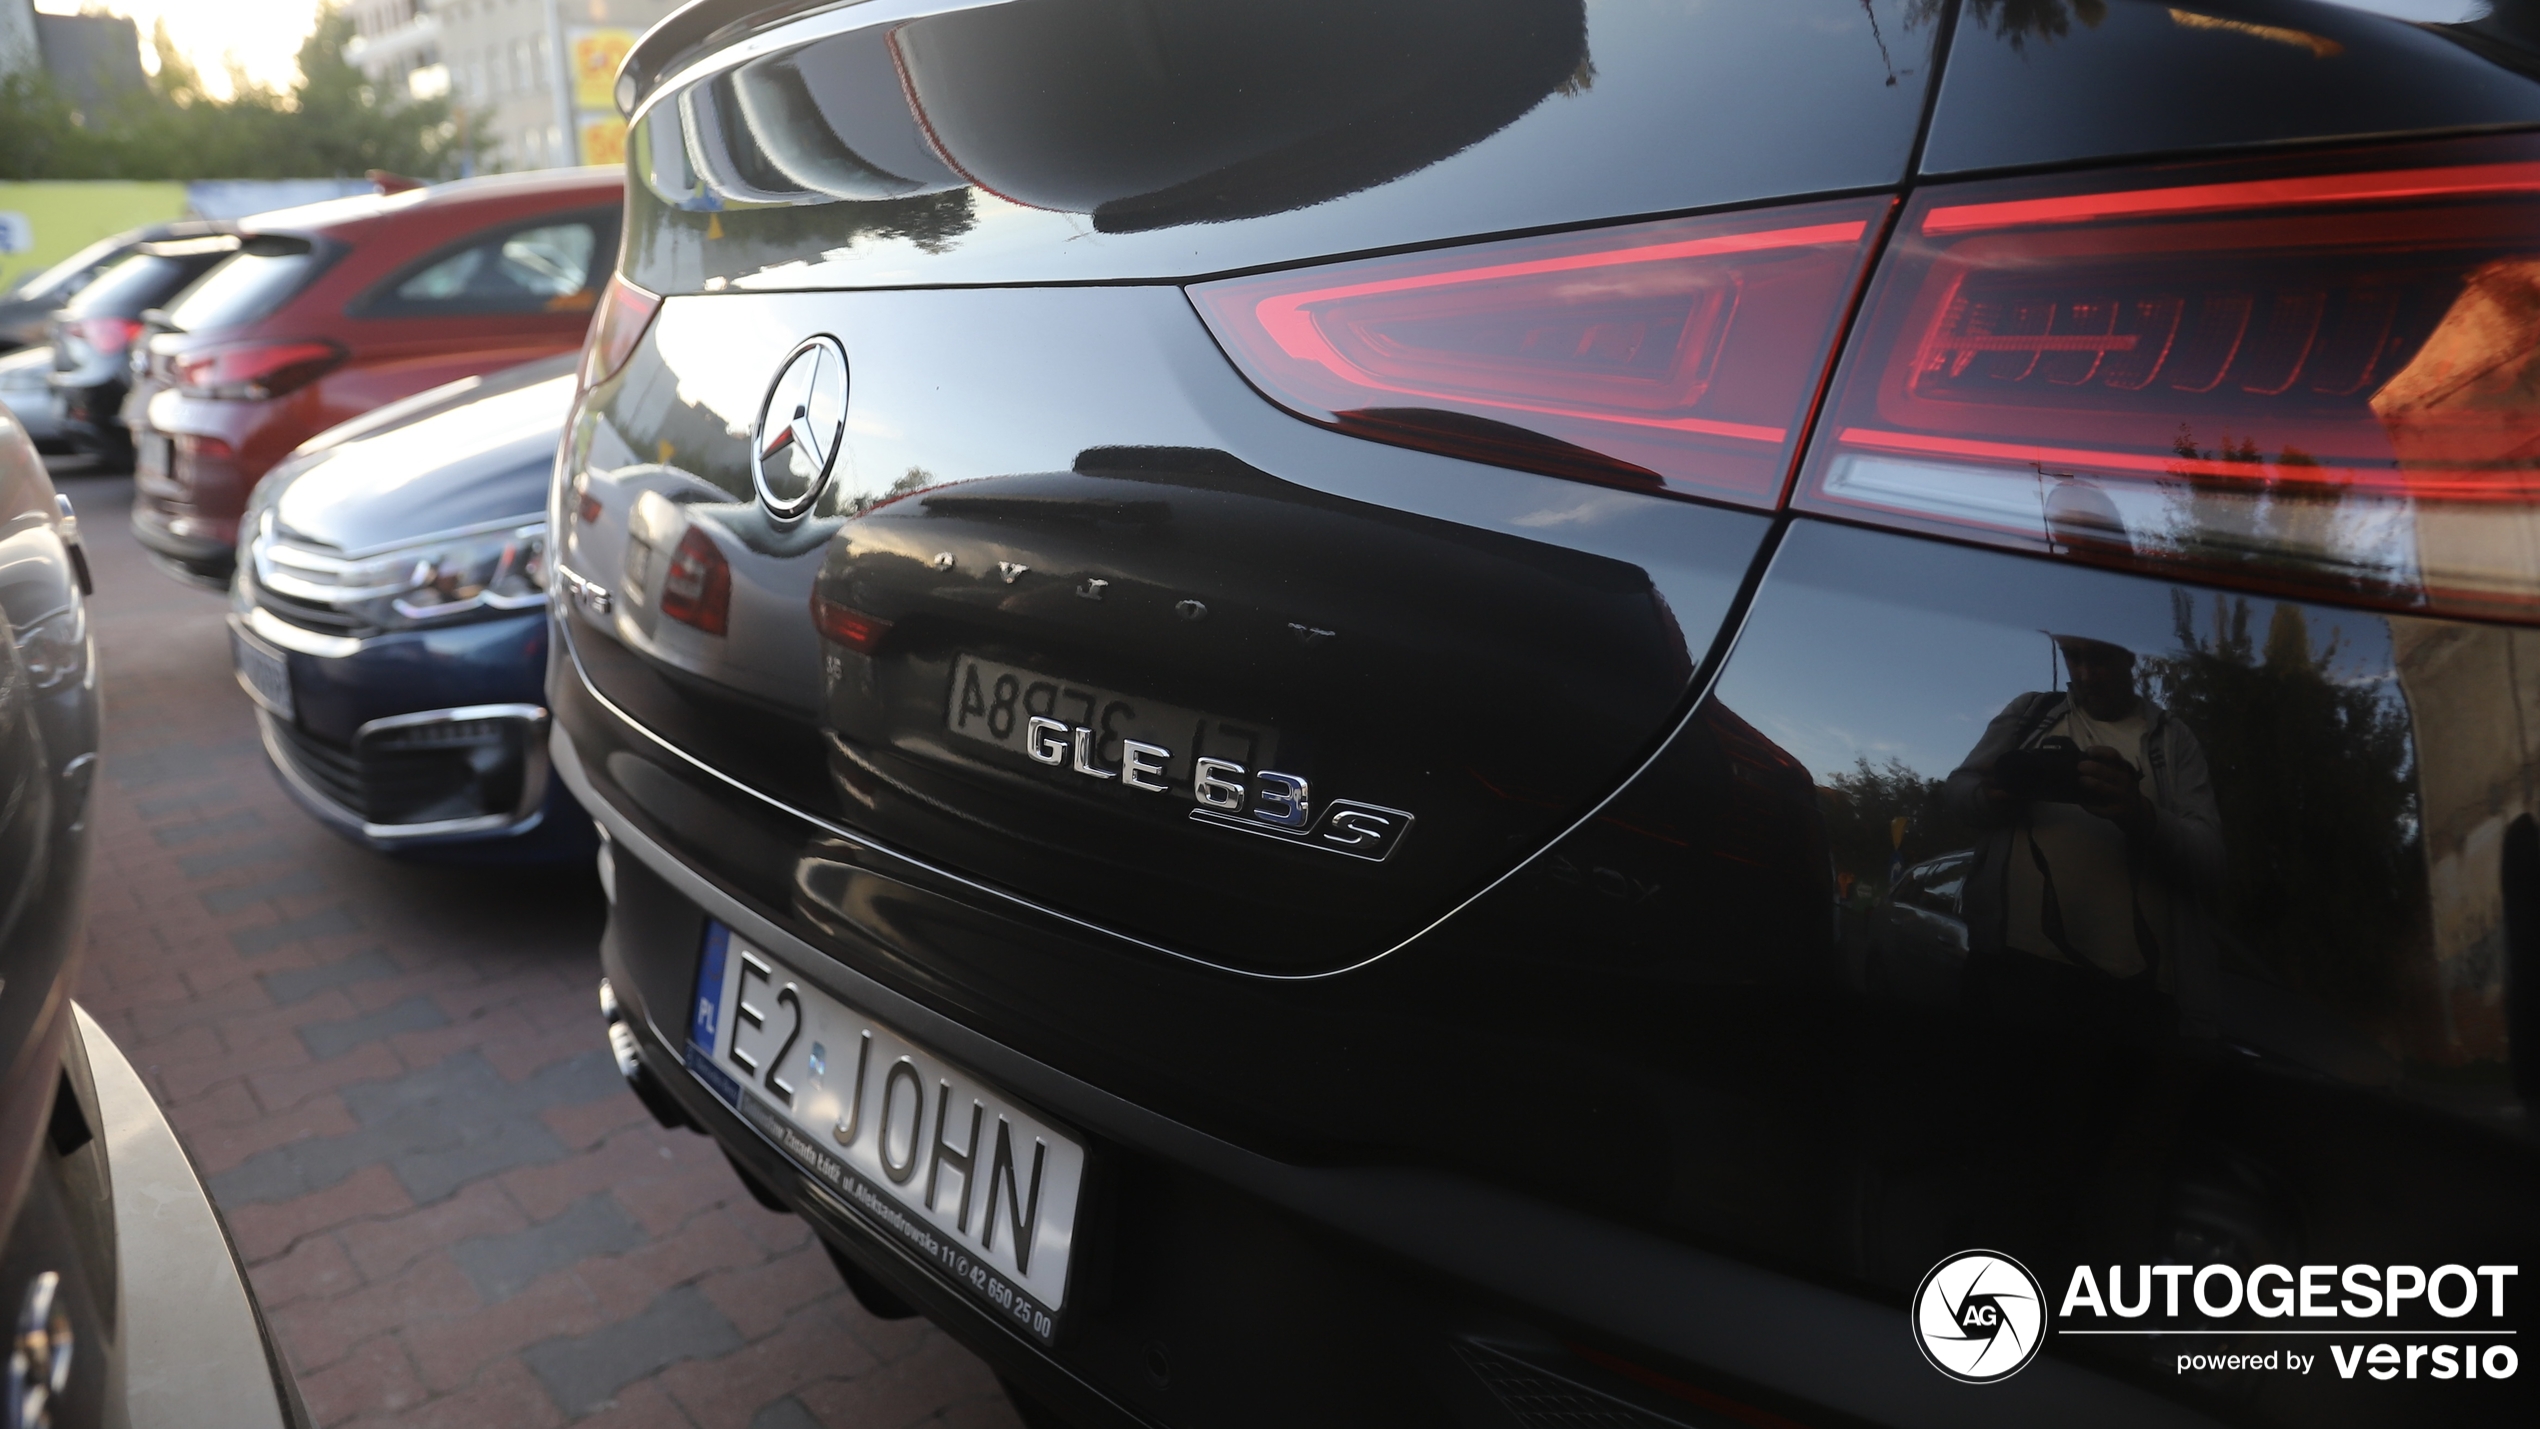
(989, 1201)
(993, 704)
(264, 674)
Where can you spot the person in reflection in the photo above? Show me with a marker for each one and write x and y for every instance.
(2101, 837)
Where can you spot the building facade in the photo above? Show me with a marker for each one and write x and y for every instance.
(506, 64)
(91, 58)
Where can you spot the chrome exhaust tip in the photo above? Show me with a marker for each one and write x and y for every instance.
(630, 1065)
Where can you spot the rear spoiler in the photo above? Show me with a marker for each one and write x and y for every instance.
(191, 247)
(697, 25)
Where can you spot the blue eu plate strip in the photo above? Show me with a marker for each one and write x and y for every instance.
(709, 985)
(701, 1018)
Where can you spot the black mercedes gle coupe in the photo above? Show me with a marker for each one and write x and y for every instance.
(1591, 712)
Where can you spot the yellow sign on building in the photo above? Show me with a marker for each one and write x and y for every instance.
(603, 139)
(597, 53)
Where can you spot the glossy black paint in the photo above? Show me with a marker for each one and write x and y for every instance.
(2079, 81)
(1512, 636)
(2316, 1066)
(1102, 140)
(1729, 1057)
(1129, 475)
(1727, 1053)
(48, 761)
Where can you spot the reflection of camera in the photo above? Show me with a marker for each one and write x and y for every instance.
(2050, 773)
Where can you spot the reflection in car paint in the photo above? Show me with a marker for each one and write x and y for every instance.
(1095, 138)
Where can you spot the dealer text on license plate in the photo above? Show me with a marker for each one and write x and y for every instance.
(930, 1156)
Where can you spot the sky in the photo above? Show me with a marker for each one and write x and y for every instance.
(264, 35)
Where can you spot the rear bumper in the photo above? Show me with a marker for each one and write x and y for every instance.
(192, 1342)
(1275, 1291)
(197, 559)
(94, 415)
(187, 510)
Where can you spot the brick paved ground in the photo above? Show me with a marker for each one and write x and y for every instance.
(395, 1080)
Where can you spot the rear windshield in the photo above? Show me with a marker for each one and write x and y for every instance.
(247, 287)
(135, 284)
(67, 277)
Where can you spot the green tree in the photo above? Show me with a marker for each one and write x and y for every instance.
(2015, 22)
(2314, 774)
(346, 126)
(1861, 806)
(331, 123)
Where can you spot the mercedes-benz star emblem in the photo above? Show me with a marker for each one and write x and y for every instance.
(801, 425)
(1979, 1316)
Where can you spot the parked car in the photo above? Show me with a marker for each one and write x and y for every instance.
(127, 1305)
(93, 334)
(31, 302)
(331, 310)
(1917, 938)
(389, 620)
(1232, 654)
(26, 390)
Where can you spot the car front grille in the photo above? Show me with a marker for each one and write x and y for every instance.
(427, 774)
(309, 574)
(308, 615)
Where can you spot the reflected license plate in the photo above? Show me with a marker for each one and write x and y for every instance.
(265, 674)
(993, 704)
(957, 1172)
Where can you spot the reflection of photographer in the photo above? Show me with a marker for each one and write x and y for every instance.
(2100, 831)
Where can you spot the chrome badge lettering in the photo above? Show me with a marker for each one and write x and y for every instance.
(1226, 795)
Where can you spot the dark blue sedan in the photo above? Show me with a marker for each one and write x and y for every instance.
(389, 620)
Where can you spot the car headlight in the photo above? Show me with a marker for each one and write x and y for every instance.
(448, 578)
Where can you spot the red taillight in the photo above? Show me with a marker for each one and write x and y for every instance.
(252, 371)
(2273, 375)
(697, 590)
(624, 312)
(102, 335)
(852, 628)
(1678, 356)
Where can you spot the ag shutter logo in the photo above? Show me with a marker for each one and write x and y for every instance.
(1979, 1316)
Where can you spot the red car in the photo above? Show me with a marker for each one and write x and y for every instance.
(329, 311)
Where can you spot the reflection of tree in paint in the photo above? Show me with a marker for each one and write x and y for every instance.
(2287, 516)
(1861, 806)
(931, 222)
(2315, 776)
(2015, 22)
